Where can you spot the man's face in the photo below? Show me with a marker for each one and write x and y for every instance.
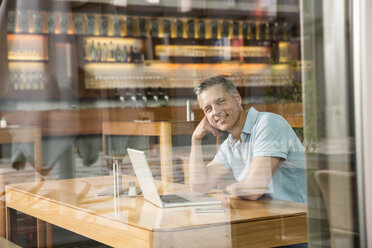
(221, 109)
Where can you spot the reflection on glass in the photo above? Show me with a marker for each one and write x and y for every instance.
(108, 79)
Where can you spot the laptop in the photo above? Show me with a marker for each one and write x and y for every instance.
(150, 192)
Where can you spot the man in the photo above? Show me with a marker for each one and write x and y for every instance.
(262, 150)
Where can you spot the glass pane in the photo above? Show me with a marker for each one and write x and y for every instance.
(329, 128)
(84, 81)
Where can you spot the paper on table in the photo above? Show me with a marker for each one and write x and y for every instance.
(110, 191)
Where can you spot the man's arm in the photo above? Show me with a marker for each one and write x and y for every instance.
(202, 177)
(258, 178)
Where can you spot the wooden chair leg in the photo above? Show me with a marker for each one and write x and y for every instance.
(41, 231)
(11, 224)
(31, 235)
(49, 235)
(2, 217)
(44, 234)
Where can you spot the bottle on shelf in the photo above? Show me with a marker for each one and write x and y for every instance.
(166, 27)
(155, 28)
(267, 31)
(117, 26)
(86, 51)
(225, 29)
(190, 28)
(262, 31)
(253, 31)
(272, 33)
(236, 29)
(214, 29)
(124, 57)
(179, 28)
(201, 29)
(99, 52)
(131, 55)
(37, 22)
(130, 26)
(92, 51)
(105, 52)
(24, 21)
(245, 28)
(117, 54)
(78, 24)
(112, 51)
(11, 21)
(142, 27)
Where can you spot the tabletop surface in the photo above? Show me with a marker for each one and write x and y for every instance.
(82, 194)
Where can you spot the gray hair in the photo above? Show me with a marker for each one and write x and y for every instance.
(228, 86)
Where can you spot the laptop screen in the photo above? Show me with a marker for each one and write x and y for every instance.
(144, 176)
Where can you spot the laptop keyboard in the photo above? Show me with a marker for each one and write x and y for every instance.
(173, 199)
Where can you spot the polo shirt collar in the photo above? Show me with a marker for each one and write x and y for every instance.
(248, 126)
(250, 120)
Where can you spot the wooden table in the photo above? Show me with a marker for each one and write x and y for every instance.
(17, 134)
(73, 204)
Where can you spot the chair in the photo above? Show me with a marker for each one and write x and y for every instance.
(337, 188)
(163, 129)
(17, 134)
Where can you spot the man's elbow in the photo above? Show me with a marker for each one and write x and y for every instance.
(251, 197)
(251, 194)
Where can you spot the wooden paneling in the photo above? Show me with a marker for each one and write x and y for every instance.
(89, 121)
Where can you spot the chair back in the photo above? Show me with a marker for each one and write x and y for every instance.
(340, 201)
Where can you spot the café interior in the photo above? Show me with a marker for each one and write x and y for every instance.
(81, 81)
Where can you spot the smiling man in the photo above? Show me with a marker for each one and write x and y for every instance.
(262, 150)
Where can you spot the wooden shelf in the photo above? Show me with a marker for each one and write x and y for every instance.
(58, 44)
(27, 61)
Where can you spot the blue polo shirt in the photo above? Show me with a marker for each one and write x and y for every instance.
(268, 135)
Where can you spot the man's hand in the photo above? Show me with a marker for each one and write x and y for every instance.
(257, 180)
(203, 129)
(240, 190)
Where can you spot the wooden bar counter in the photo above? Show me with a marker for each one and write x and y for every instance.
(74, 205)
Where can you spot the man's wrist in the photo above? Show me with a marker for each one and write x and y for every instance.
(196, 140)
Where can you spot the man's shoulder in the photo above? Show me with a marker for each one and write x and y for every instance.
(270, 119)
